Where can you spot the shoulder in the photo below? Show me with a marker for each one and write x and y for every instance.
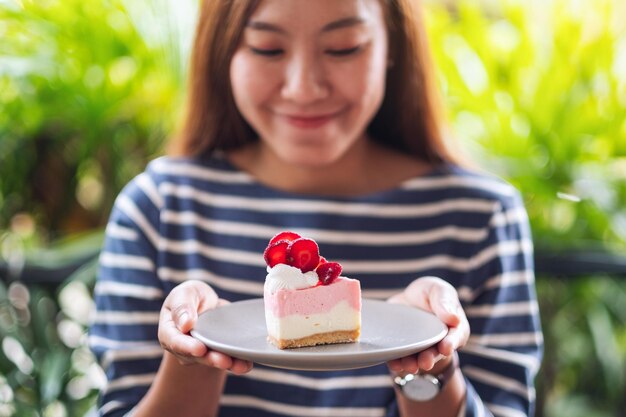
(170, 176)
(193, 169)
(459, 182)
(169, 182)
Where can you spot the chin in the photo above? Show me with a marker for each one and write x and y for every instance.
(311, 158)
(324, 147)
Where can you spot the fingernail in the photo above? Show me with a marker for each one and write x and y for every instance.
(183, 317)
(450, 307)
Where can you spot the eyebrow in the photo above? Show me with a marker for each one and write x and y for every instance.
(337, 24)
(344, 23)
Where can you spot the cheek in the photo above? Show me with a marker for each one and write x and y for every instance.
(366, 85)
(240, 80)
(250, 83)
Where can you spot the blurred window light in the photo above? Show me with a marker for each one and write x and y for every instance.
(569, 197)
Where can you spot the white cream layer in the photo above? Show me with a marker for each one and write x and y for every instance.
(341, 317)
(283, 276)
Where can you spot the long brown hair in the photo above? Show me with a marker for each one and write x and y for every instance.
(409, 119)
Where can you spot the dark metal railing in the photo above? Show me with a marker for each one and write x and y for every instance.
(580, 262)
(46, 276)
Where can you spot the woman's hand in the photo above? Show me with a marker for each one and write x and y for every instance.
(178, 316)
(440, 298)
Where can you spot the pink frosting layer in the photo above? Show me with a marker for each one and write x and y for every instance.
(314, 300)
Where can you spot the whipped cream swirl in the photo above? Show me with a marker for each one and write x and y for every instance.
(283, 276)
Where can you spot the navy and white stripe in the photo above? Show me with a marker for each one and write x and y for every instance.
(204, 219)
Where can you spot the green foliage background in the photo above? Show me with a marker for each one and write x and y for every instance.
(89, 91)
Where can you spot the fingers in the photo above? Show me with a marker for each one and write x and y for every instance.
(216, 360)
(220, 360)
(228, 363)
(439, 297)
(174, 340)
(445, 304)
(395, 365)
(424, 360)
(179, 315)
(241, 367)
(455, 339)
(187, 300)
(427, 359)
(184, 317)
(436, 295)
(399, 298)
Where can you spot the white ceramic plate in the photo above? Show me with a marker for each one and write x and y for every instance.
(388, 331)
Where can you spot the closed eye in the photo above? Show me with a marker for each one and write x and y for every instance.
(266, 52)
(343, 52)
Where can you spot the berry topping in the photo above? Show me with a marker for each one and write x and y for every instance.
(291, 249)
(276, 253)
(286, 236)
(304, 254)
(328, 272)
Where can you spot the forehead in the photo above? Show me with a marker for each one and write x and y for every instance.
(316, 15)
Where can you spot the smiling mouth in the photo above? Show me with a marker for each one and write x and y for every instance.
(309, 122)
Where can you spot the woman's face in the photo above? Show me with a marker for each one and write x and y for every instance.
(309, 76)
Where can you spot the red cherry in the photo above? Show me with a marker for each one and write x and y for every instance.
(276, 253)
(286, 236)
(303, 253)
(328, 272)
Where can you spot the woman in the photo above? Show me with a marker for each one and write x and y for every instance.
(318, 117)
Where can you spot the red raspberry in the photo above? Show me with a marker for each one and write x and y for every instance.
(304, 254)
(286, 236)
(328, 272)
(276, 253)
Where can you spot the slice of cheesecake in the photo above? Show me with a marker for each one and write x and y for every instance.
(307, 301)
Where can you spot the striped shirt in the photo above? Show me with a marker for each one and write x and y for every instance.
(204, 219)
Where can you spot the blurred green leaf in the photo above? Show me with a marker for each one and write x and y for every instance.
(53, 369)
(607, 350)
(64, 251)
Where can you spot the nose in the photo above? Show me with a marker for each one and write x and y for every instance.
(305, 80)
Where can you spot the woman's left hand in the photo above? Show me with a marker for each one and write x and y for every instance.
(440, 298)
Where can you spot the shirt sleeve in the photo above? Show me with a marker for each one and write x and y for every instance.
(128, 296)
(504, 351)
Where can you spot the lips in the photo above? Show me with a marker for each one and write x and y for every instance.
(309, 121)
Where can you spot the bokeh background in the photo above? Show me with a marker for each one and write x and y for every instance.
(535, 92)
